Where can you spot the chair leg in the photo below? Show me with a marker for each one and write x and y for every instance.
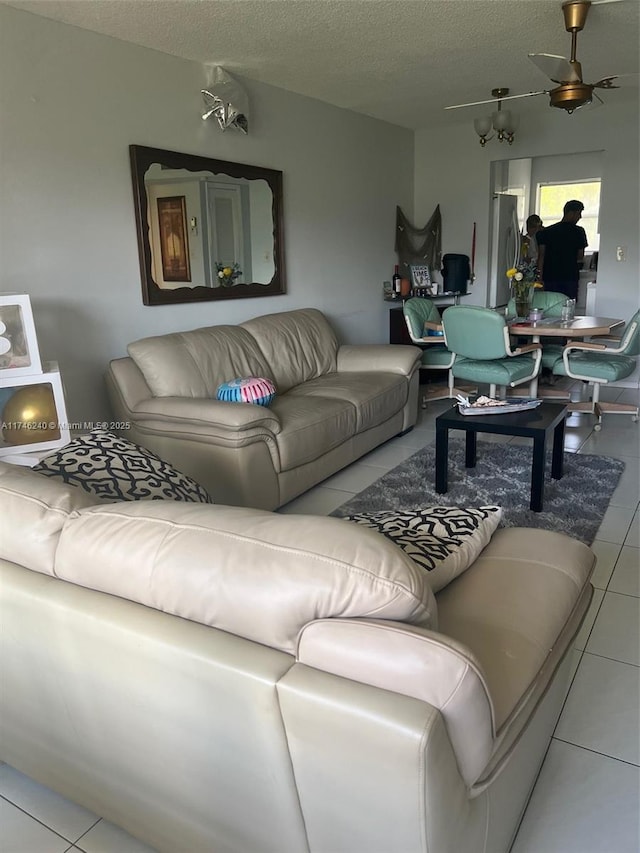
(595, 407)
(438, 392)
(554, 394)
(595, 400)
(584, 408)
(619, 409)
(612, 408)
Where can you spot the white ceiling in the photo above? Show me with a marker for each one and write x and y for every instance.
(401, 61)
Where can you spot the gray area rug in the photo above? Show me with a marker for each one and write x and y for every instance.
(574, 505)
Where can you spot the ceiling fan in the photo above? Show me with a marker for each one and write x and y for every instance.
(571, 92)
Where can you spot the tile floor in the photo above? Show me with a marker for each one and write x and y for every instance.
(587, 796)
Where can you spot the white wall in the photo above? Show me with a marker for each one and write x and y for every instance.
(71, 104)
(565, 168)
(453, 170)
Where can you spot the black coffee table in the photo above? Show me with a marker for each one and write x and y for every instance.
(535, 423)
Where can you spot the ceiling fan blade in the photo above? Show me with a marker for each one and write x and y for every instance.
(557, 68)
(607, 83)
(605, 2)
(495, 100)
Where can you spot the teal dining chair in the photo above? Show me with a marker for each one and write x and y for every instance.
(551, 304)
(547, 300)
(424, 325)
(479, 337)
(600, 364)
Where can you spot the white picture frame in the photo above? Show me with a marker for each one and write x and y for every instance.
(19, 353)
(47, 429)
(421, 277)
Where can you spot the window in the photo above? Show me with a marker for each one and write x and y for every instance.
(551, 198)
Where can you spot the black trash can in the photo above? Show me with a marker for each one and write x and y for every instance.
(456, 272)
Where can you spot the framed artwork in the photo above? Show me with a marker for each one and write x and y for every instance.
(33, 412)
(420, 276)
(174, 241)
(19, 354)
(387, 291)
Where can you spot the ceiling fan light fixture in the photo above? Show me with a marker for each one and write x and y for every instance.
(510, 129)
(502, 121)
(482, 127)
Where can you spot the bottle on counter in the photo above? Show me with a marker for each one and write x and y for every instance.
(396, 283)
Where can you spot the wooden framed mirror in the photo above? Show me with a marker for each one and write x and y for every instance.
(207, 229)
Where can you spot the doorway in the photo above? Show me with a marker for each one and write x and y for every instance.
(529, 182)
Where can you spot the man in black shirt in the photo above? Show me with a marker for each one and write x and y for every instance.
(561, 251)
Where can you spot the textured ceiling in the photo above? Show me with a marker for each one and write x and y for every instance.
(398, 60)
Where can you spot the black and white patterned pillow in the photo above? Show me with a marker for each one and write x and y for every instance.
(443, 540)
(114, 469)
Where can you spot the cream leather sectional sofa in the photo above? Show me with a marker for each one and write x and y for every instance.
(216, 678)
(334, 403)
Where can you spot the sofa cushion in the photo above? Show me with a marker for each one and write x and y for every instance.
(511, 609)
(297, 346)
(443, 540)
(33, 511)
(193, 364)
(256, 574)
(311, 427)
(114, 469)
(376, 396)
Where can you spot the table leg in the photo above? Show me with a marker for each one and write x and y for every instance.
(537, 473)
(442, 458)
(557, 453)
(533, 385)
(470, 449)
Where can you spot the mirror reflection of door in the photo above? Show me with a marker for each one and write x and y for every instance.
(228, 211)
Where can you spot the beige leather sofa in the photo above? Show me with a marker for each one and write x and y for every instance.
(333, 404)
(225, 679)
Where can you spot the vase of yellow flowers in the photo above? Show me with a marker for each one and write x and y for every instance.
(524, 280)
(228, 273)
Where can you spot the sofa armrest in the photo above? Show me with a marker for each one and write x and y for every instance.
(207, 412)
(415, 662)
(389, 358)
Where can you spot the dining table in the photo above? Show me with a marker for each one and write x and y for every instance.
(556, 327)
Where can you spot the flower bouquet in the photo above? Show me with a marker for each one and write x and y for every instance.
(228, 273)
(524, 279)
